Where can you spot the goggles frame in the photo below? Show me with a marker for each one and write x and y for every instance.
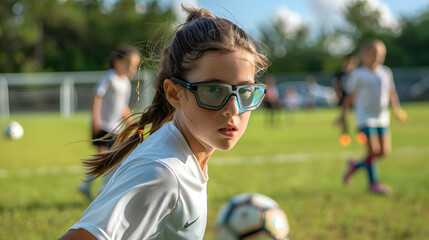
(233, 91)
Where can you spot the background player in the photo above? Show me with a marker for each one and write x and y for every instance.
(110, 104)
(370, 88)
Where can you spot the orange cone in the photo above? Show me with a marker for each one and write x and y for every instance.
(345, 139)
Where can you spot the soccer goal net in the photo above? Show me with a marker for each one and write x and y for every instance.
(64, 92)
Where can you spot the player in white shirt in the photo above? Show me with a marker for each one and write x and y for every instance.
(371, 88)
(110, 104)
(204, 96)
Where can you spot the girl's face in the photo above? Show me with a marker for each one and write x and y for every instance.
(374, 55)
(127, 66)
(206, 130)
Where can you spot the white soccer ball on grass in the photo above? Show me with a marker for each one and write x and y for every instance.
(13, 130)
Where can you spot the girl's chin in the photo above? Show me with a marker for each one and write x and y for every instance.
(226, 146)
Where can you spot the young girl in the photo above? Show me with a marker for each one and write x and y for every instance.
(371, 87)
(206, 87)
(110, 103)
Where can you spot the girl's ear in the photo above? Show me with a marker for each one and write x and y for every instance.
(171, 90)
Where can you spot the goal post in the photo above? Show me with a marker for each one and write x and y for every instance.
(67, 97)
(4, 98)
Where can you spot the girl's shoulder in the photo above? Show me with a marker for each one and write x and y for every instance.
(156, 149)
(140, 172)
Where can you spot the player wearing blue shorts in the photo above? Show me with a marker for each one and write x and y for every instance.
(205, 92)
(371, 89)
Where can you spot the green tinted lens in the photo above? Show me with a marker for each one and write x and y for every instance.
(250, 96)
(212, 94)
(245, 94)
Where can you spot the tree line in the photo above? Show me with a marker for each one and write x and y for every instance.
(71, 35)
(406, 43)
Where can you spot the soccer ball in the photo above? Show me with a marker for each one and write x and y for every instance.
(251, 216)
(13, 130)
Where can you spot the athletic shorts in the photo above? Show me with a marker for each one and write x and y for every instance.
(378, 131)
(108, 142)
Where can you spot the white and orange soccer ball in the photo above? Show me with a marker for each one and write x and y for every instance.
(13, 130)
(251, 216)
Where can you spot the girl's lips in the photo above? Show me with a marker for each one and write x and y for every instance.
(229, 131)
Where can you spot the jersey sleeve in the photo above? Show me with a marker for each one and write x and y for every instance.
(101, 88)
(134, 203)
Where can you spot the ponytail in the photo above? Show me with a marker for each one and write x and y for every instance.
(155, 116)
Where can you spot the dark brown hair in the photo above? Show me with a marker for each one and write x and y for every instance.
(201, 32)
(122, 52)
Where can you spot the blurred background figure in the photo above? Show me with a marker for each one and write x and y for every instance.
(110, 104)
(371, 88)
(350, 62)
(339, 83)
(291, 99)
(272, 101)
(312, 89)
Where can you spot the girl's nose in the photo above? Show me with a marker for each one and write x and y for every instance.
(231, 108)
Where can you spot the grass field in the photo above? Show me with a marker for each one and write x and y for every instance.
(298, 162)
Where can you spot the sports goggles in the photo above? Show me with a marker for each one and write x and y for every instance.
(214, 96)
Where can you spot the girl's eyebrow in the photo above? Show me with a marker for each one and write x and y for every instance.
(216, 80)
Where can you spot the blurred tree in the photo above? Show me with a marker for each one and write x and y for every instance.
(411, 48)
(76, 35)
(20, 34)
(72, 35)
(287, 46)
(366, 22)
(104, 28)
(282, 38)
(6, 26)
(406, 41)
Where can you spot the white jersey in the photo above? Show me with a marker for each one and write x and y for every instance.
(115, 93)
(158, 192)
(371, 89)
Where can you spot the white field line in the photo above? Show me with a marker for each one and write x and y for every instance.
(306, 157)
(42, 171)
(228, 161)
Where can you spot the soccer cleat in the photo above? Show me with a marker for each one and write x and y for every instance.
(84, 189)
(379, 188)
(351, 168)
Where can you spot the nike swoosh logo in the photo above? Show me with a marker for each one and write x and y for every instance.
(188, 224)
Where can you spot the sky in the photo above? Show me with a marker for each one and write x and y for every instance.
(317, 14)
